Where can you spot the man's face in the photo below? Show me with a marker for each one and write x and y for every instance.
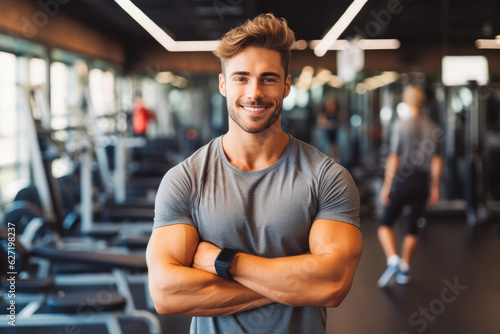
(254, 84)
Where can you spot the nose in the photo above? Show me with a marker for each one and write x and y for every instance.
(254, 90)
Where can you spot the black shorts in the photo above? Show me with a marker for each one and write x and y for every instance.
(412, 190)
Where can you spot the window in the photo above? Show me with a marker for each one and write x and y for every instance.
(37, 71)
(8, 127)
(102, 91)
(58, 88)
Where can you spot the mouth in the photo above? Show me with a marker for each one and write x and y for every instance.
(253, 109)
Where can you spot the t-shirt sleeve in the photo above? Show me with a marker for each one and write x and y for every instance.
(173, 200)
(338, 196)
(395, 144)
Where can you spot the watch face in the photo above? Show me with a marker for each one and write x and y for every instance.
(225, 255)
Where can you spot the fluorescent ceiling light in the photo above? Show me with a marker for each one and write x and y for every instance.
(154, 30)
(339, 27)
(339, 44)
(363, 44)
(488, 43)
(160, 35)
(378, 44)
(195, 45)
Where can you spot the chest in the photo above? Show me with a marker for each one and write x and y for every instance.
(269, 214)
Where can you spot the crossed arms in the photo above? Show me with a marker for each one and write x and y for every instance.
(183, 281)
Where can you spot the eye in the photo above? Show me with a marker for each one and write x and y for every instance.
(270, 79)
(240, 79)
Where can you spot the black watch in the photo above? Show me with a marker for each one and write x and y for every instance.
(222, 262)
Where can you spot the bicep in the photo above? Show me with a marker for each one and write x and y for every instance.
(342, 241)
(173, 244)
(395, 141)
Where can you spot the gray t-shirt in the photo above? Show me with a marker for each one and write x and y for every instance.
(267, 213)
(415, 140)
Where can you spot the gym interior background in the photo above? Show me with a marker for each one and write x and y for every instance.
(77, 185)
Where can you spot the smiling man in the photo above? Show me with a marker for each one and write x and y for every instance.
(256, 232)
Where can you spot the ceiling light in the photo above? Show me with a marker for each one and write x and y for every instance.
(488, 43)
(161, 36)
(340, 44)
(154, 30)
(338, 27)
(379, 44)
(300, 45)
(363, 44)
(195, 46)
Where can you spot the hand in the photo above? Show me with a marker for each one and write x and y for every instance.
(205, 256)
(384, 195)
(433, 196)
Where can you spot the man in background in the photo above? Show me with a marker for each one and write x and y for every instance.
(412, 174)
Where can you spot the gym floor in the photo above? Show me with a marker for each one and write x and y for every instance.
(455, 287)
(454, 290)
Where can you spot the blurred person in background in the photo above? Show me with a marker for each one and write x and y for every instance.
(141, 117)
(412, 175)
(328, 121)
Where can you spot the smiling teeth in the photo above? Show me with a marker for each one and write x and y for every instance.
(253, 109)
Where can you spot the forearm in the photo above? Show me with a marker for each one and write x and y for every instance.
(436, 168)
(191, 292)
(321, 277)
(303, 280)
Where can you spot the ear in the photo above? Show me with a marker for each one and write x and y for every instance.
(222, 84)
(288, 85)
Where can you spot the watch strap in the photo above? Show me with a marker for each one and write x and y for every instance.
(223, 261)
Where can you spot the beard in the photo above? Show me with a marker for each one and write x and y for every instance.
(257, 123)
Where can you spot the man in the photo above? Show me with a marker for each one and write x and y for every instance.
(413, 162)
(285, 216)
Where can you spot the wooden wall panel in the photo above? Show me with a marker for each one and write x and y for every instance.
(29, 20)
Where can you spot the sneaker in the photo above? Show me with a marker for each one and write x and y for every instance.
(403, 277)
(388, 275)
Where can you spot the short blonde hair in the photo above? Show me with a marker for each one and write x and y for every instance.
(265, 31)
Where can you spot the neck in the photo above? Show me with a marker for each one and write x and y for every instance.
(252, 152)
